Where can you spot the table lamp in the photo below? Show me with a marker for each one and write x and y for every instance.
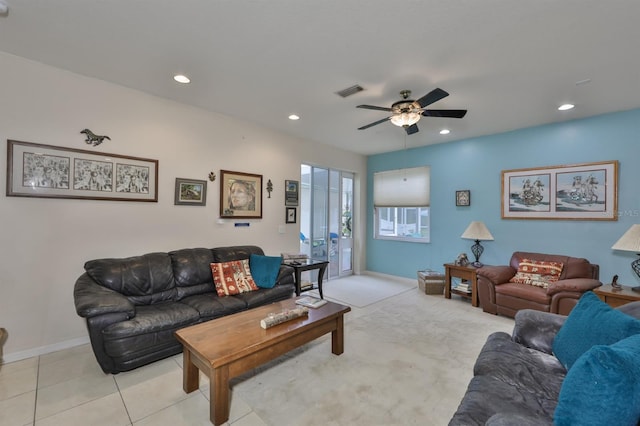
(630, 241)
(477, 231)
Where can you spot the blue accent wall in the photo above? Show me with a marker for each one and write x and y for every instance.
(476, 164)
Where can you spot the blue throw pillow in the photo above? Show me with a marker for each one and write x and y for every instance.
(265, 269)
(602, 387)
(591, 322)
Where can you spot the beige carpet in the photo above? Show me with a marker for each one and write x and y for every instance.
(363, 290)
(407, 361)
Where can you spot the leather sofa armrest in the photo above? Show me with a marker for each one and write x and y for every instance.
(91, 299)
(285, 275)
(536, 329)
(578, 285)
(497, 274)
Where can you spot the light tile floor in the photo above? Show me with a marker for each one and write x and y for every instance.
(68, 388)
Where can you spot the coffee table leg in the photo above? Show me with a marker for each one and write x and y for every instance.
(337, 337)
(219, 396)
(190, 373)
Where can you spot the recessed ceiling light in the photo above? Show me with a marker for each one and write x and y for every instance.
(181, 79)
(445, 131)
(294, 117)
(566, 107)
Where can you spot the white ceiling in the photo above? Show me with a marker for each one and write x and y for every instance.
(511, 63)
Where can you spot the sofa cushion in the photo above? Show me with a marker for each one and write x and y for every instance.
(591, 322)
(191, 271)
(225, 254)
(210, 305)
(153, 318)
(233, 277)
(537, 272)
(145, 279)
(603, 387)
(265, 269)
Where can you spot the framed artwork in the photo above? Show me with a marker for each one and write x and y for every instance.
(37, 170)
(587, 191)
(190, 192)
(240, 195)
(463, 198)
(291, 191)
(291, 215)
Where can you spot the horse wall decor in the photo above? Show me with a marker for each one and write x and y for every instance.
(93, 139)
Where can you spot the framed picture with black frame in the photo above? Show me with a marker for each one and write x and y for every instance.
(291, 213)
(463, 198)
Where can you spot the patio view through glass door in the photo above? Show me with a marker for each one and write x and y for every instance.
(326, 203)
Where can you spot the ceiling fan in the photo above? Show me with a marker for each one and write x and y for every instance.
(407, 112)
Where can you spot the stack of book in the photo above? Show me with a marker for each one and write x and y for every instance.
(294, 258)
(463, 287)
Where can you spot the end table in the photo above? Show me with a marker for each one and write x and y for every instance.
(615, 298)
(463, 272)
(308, 265)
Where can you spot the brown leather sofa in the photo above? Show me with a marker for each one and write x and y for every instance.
(499, 296)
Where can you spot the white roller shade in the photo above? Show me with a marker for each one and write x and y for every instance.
(402, 187)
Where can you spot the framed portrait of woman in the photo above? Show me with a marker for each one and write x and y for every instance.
(240, 195)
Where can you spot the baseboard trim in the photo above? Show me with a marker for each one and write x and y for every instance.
(42, 350)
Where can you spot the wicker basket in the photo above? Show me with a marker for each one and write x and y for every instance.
(431, 282)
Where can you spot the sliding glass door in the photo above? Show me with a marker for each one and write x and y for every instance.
(326, 203)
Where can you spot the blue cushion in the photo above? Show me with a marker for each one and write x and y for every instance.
(591, 322)
(602, 387)
(265, 269)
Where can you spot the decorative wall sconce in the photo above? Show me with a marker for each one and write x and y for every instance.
(212, 176)
(269, 187)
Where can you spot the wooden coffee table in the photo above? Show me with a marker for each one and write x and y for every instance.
(229, 346)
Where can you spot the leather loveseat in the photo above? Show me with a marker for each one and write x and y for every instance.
(134, 305)
(517, 379)
(500, 296)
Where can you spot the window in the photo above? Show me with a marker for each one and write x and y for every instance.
(402, 223)
(401, 203)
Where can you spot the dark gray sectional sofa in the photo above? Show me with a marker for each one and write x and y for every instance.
(134, 305)
(517, 379)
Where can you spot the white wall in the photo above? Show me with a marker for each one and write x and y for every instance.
(45, 242)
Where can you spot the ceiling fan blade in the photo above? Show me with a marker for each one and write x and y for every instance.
(449, 113)
(431, 97)
(411, 129)
(377, 108)
(374, 123)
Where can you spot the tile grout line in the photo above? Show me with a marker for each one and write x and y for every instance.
(122, 399)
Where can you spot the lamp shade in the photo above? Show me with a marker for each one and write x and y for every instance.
(630, 241)
(477, 231)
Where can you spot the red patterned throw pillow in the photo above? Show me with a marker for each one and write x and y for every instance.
(537, 272)
(232, 277)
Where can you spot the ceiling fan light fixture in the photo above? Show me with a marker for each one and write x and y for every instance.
(405, 119)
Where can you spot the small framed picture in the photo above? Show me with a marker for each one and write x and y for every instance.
(291, 215)
(190, 192)
(291, 192)
(463, 198)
